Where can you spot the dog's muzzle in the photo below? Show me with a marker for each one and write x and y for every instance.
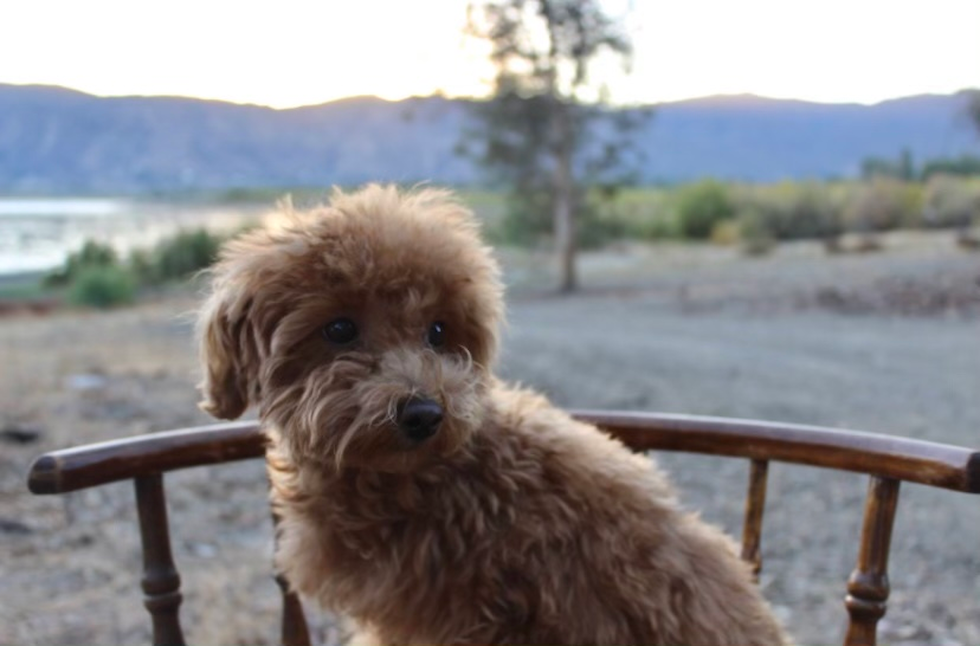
(419, 418)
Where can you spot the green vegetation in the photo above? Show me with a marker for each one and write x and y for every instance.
(903, 167)
(527, 222)
(790, 211)
(963, 166)
(701, 207)
(754, 217)
(92, 254)
(756, 236)
(102, 286)
(94, 276)
(22, 287)
(950, 202)
(176, 258)
(757, 217)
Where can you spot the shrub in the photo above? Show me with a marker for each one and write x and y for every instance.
(529, 221)
(757, 237)
(186, 253)
(92, 254)
(811, 214)
(520, 227)
(881, 205)
(654, 227)
(793, 211)
(950, 202)
(639, 214)
(102, 286)
(176, 258)
(726, 233)
(701, 206)
(594, 229)
(965, 165)
(142, 266)
(526, 220)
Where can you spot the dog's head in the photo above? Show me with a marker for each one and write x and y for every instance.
(364, 330)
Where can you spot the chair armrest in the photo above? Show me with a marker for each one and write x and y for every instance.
(928, 463)
(97, 464)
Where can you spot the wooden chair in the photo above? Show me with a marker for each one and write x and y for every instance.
(886, 459)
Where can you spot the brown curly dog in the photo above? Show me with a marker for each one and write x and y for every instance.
(419, 495)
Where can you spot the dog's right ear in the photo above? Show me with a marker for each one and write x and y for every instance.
(227, 352)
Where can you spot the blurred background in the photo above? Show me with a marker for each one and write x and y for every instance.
(758, 209)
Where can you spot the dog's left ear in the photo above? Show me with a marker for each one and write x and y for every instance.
(228, 356)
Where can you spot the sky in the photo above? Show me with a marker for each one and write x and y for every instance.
(300, 52)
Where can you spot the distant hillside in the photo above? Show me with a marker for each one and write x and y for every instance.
(55, 140)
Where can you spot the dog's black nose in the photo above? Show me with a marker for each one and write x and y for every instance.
(419, 418)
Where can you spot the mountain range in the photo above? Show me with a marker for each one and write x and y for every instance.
(55, 140)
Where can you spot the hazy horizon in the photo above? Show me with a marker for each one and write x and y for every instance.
(705, 97)
(307, 53)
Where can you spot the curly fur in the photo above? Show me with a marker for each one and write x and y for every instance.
(513, 523)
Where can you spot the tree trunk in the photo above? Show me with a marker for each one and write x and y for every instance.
(564, 213)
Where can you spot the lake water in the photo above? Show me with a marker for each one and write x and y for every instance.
(37, 234)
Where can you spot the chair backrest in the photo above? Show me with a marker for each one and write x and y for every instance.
(888, 460)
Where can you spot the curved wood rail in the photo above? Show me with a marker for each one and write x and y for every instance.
(98, 464)
(938, 465)
(928, 463)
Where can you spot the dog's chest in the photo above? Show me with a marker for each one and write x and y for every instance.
(418, 523)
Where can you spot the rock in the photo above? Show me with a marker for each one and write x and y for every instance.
(11, 526)
(201, 550)
(85, 382)
(20, 434)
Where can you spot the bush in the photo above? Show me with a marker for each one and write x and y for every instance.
(726, 233)
(529, 220)
(950, 202)
(176, 258)
(526, 221)
(701, 206)
(811, 214)
(102, 286)
(965, 165)
(638, 214)
(92, 254)
(793, 211)
(757, 237)
(95, 277)
(142, 265)
(595, 229)
(881, 205)
(186, 253)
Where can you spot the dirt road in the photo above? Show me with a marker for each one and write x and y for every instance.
(913, 377)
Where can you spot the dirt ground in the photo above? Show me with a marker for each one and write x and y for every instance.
(886, 342)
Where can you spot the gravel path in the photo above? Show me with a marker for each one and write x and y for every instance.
(912, 377)
(712, 335)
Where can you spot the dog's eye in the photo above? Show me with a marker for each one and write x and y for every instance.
(340, 331)
(436, 335)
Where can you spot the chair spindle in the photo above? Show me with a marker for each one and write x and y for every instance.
(867, 586)
(755, 504)
(294, 629)
(161, 581)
